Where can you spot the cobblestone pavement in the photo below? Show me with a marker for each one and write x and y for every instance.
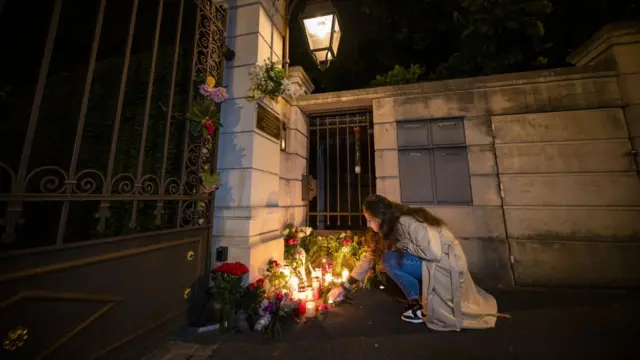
(544, 325)
(179, 350)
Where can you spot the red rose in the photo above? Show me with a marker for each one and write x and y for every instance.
(280, 296)
(356, 129)
(251, 286)
(346, 241)
(208, 124)
(233, 269)
(260, 282)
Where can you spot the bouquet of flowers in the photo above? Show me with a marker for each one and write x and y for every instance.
(228, 289)
(204, 119)
(270, 80)
(271, 311)
(276, 279)
(294, 253)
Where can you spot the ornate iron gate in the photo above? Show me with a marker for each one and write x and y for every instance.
(104, 227)
(341, 160)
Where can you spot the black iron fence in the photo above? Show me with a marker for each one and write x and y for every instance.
(93, 142)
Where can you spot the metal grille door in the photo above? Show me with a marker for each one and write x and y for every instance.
(341, 160)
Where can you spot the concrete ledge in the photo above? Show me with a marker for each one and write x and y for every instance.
(567, 157)
(596, 189)
(599, 124)
(555, 263)
(488, 261)
(363, 98)
(471, 221)
(603, 40)
(577, 224)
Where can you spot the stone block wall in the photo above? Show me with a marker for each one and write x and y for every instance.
(556, 192)
(557, 167)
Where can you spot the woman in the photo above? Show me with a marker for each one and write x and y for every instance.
(418, 251)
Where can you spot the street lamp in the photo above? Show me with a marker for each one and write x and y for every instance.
(320, 22)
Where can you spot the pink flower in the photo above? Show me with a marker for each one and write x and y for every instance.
(346, 241)
(280, 296)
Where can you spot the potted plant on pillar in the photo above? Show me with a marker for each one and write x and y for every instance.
(269, 81)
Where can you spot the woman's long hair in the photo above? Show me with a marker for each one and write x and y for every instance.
(389, 213)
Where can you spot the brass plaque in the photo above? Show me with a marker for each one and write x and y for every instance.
(268, 122)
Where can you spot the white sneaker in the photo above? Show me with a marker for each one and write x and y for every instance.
(414, 314)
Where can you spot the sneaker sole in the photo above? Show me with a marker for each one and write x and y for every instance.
(413, 321)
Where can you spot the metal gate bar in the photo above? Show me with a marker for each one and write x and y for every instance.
(332, 162)
(35, 182)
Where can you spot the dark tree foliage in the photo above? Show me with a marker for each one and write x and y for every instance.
(448, 39)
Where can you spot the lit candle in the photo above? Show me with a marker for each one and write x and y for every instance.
(315, 285)
(293, 285)
(302, 292)
(311, 309)
(310, 293)
(345, 275)
(328, 278)
(286, 270)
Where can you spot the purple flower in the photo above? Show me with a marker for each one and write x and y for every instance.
(270, 308)
(216, 94)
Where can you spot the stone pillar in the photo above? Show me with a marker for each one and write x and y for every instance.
(248, 216)
(293, 161)
(617, 47)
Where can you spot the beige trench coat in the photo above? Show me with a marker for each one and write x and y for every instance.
(449, 295)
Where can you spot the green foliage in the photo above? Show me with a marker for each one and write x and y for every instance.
(200, 110)
(275, 279)
(209, 180)
(496, 36)
(228, 289)
(267, 80)
(251, 298)
(399, 76)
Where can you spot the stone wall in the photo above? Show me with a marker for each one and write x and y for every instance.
(556, 194)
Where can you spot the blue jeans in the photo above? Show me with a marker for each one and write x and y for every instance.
(407, 272)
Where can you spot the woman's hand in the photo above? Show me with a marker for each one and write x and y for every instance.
(337, 294)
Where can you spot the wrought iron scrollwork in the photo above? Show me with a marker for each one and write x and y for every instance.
(191, 206)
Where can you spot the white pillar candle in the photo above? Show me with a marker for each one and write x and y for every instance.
(293, 285)
(345, 275)
(311, 309)
(286, 270)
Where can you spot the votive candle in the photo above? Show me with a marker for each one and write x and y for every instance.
(345, 275)
(293, 285)
(310, 309)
